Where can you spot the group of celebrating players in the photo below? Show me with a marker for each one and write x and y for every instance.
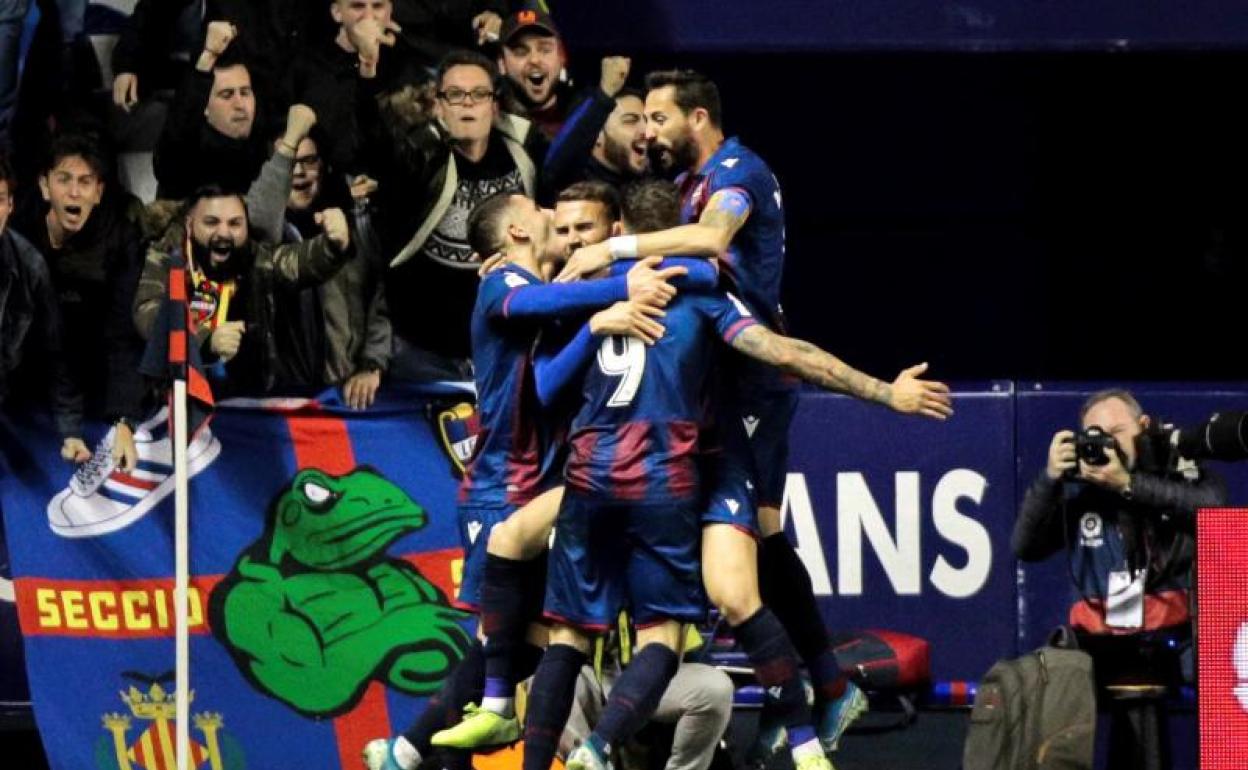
(635, 390)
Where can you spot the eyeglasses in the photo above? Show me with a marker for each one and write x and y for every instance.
(457, 96)
(308, 161)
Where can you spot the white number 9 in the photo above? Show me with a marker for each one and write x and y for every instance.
(623, 357)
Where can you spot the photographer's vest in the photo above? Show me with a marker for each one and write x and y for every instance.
(1098, 546)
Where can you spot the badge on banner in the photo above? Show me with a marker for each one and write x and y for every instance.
(1124, 604)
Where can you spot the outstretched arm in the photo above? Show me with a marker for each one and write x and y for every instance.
(907, 394)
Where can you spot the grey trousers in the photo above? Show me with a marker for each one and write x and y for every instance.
(698, 701)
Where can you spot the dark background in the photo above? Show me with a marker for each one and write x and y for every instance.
(1071, 214)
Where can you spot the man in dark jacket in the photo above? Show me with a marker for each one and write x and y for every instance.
(210, 136)
(1129, 525)
(441, 171)
(337, 333)
(532, 58)
(29, 320)
(341, 78)
(93, 252)
(1124, 518)
(232, 281)
(603, 140)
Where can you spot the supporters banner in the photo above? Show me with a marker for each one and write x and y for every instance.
(324, 549)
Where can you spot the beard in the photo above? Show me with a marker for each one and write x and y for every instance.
(619, 155)
(207, 257)
(681, 156)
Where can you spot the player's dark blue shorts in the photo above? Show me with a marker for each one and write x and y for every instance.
(767, 415)
(730, 496)
(610, 555)
(475, 525)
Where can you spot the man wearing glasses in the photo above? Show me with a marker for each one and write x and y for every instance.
(433, 281)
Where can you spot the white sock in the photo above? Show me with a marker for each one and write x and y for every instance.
(504, 707)
(406, 754)
(811, 748)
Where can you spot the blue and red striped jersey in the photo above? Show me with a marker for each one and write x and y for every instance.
(513, 450)
(636, 434)
(754, 261)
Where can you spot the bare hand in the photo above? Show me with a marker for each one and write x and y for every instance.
(334, 223)
(125, 453)
(361, 187)
(910, 395)
(227, 338)
(614, 74)
(360, 389)
(126, 90)
(487, 25)
(1061, 454)
(492, 263)
(629, 319)
(220, 35)
(367, 37)
(647, 286)
(300, 119)
(585, 261)
(74, 450)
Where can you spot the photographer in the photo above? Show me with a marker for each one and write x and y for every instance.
(1117, 513)
(1123, 507)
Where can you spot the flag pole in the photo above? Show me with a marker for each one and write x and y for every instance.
(181, 576)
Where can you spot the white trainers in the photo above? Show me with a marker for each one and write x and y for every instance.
(100, 499)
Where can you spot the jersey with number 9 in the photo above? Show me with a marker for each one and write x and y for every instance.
(636, 433)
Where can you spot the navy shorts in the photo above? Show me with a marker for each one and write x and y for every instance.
(731, 497)
(475, 525)
(766, 416)
(610, 555)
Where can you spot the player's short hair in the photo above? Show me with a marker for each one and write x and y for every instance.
(460, 57)
(1123, 395)
(693, 90)
(650, 205)
(485, 224)
(595, 191)
(630, 91)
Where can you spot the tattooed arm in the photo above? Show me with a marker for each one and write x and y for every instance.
(907, 394)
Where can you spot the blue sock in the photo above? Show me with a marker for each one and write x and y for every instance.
(635, 696)
(777, 668)
(550, 703)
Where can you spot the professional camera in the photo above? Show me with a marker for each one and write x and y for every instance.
(1224, 436)
(1092, 445)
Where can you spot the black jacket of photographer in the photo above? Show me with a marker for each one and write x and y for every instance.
(1104, 531)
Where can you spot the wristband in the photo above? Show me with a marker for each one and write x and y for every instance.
(622, 247)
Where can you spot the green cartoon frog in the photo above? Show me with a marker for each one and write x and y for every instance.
(315, 610)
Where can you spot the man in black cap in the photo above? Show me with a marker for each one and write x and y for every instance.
(532, 59)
